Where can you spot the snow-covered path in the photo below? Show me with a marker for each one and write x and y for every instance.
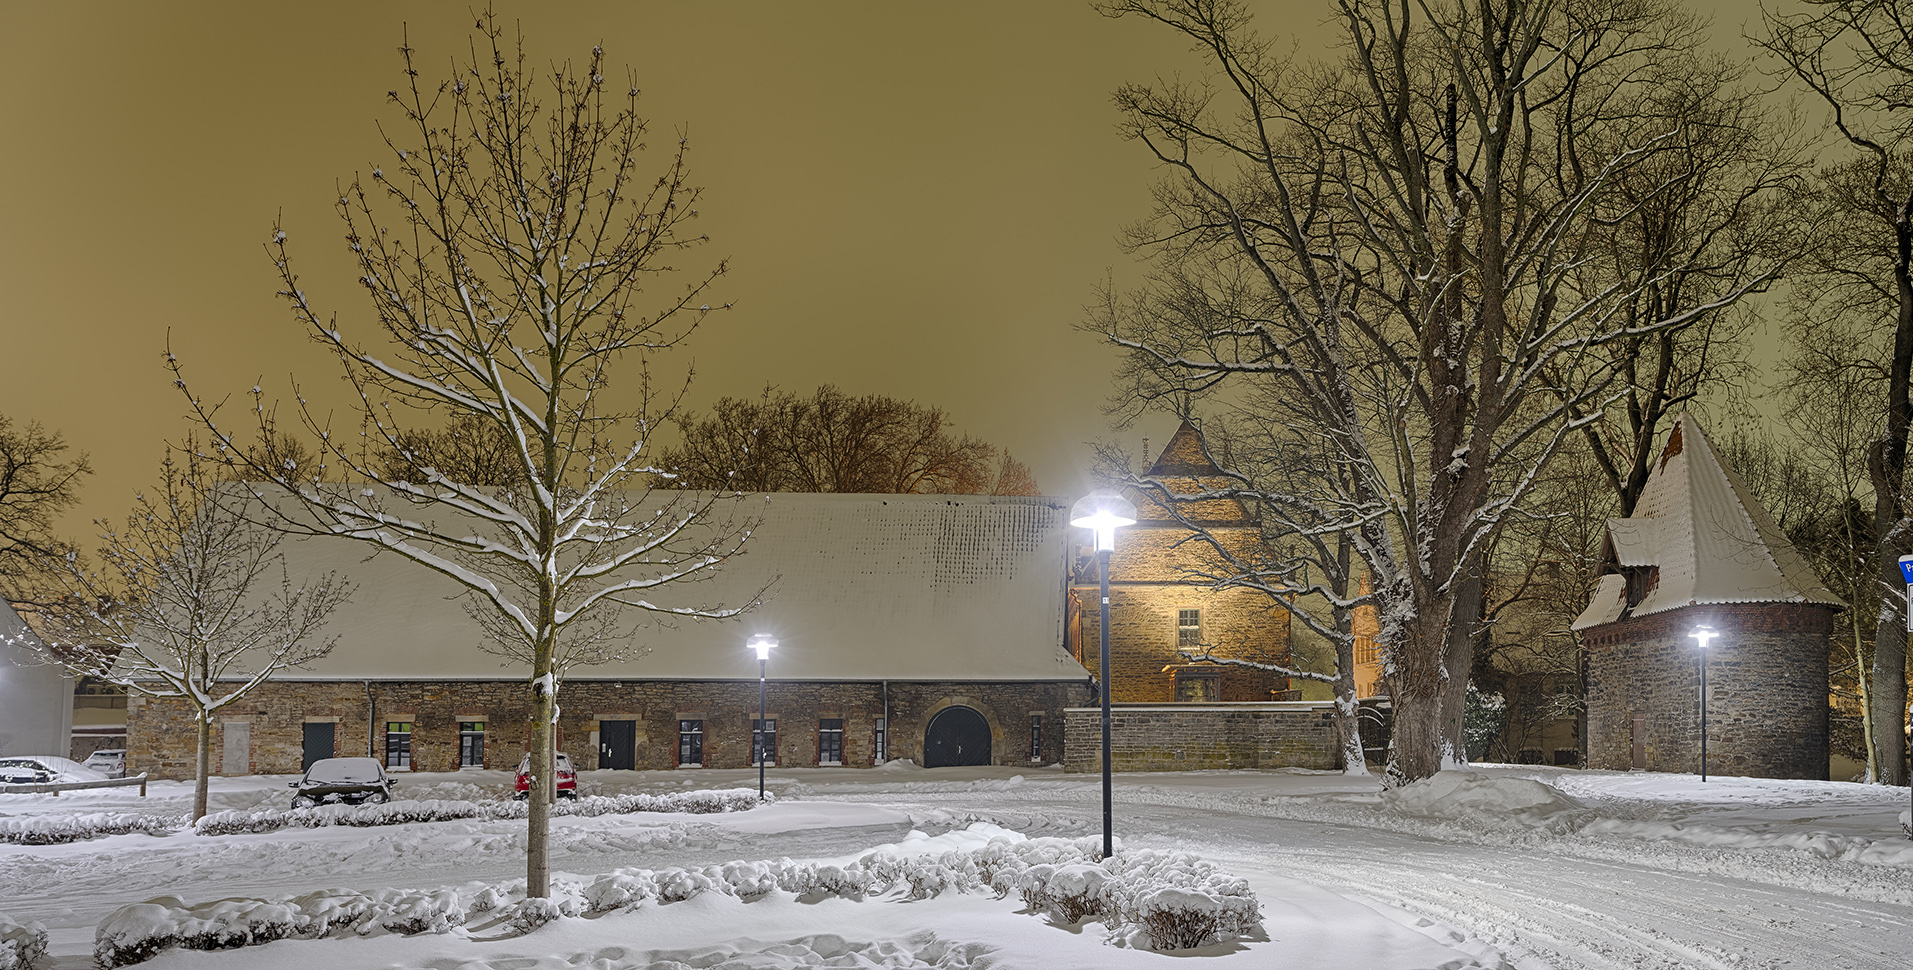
(1655, 873)
(1575, 902)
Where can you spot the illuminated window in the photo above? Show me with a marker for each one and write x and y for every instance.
(1198, 685)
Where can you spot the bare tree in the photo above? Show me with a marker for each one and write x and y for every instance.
(832, 442)
(508, 247)
(191, 602)
(36, 485)
(1857, 58)
(469, 450)
(1400, 254)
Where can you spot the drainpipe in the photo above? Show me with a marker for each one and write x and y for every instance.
(371, 723)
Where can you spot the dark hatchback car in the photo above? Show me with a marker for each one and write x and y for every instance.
(349, 780)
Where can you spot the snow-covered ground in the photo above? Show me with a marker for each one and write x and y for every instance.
(1520, 867)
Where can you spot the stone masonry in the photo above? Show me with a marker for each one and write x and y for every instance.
(1766, 681)
(1191, 737)
(161, 732)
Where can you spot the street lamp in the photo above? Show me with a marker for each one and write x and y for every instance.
(1703, 634)
(1102, 512)
(763, 643)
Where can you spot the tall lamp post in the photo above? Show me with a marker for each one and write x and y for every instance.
(763, 643)
(1102, 512)
(1703, 634)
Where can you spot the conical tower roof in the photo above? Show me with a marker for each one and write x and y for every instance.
(1709, 540)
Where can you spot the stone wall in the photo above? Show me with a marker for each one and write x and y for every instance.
(1767, 691)
(1143, 651)
(160, 733)
(1190, 737)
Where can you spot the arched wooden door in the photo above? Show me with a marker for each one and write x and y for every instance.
(956, 736)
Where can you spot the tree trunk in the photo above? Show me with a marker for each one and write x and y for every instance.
(1886, 466)
(543, 779)
(202, 775)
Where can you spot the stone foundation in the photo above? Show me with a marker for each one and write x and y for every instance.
(160, 733)
(1189, 737)
(1766, 681)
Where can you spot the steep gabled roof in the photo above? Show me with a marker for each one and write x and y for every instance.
(867, 587)
(1185, 469)
(1707, 537)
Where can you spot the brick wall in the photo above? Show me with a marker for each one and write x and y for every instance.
(1189, 737)
(160, 733)
(1767, 690)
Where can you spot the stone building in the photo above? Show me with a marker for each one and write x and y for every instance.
(1700, 551)
(1176, 712)
(911, 626)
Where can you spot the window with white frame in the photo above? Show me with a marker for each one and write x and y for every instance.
(882, 741)
(830, 741)
(691, 743)
(471, 744)
(398, 744)
(1188, 628)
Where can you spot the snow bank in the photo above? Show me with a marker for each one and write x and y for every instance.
(21, 947)
(442, 810)
(1161, 900)
(1459, 793)
(56, 829)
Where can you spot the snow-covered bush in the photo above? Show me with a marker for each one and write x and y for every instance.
(1070, 893)
(1460, 792)
(528, 914)
(21, 947)
(1174, 899)
(1177, 919)
(677, 885)
(57, 829)
(617, 890)
(443, 810)
(137, 932)
(413, 911)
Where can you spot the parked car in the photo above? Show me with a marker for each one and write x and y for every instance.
(567, 778)
(41, 769)
(349, 780)
(110, 762)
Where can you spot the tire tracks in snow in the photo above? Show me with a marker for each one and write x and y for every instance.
(1560, 902)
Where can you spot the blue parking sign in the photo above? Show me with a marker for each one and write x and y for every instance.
(1906, 569)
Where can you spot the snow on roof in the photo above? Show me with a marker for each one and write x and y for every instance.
(866, 587)
(1707, 536)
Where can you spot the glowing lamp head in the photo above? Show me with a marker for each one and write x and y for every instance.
(763, 644)
(1102, 511)
(1704, 634)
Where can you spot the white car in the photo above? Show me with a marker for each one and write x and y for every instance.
(108, 761)
(41, 769)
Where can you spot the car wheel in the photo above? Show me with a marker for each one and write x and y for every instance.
(567, 793)
(522, 796)
(375, 798)
(303, 802)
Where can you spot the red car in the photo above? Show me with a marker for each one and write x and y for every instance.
(567, 778)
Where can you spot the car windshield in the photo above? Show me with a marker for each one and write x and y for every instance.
(347, 770)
